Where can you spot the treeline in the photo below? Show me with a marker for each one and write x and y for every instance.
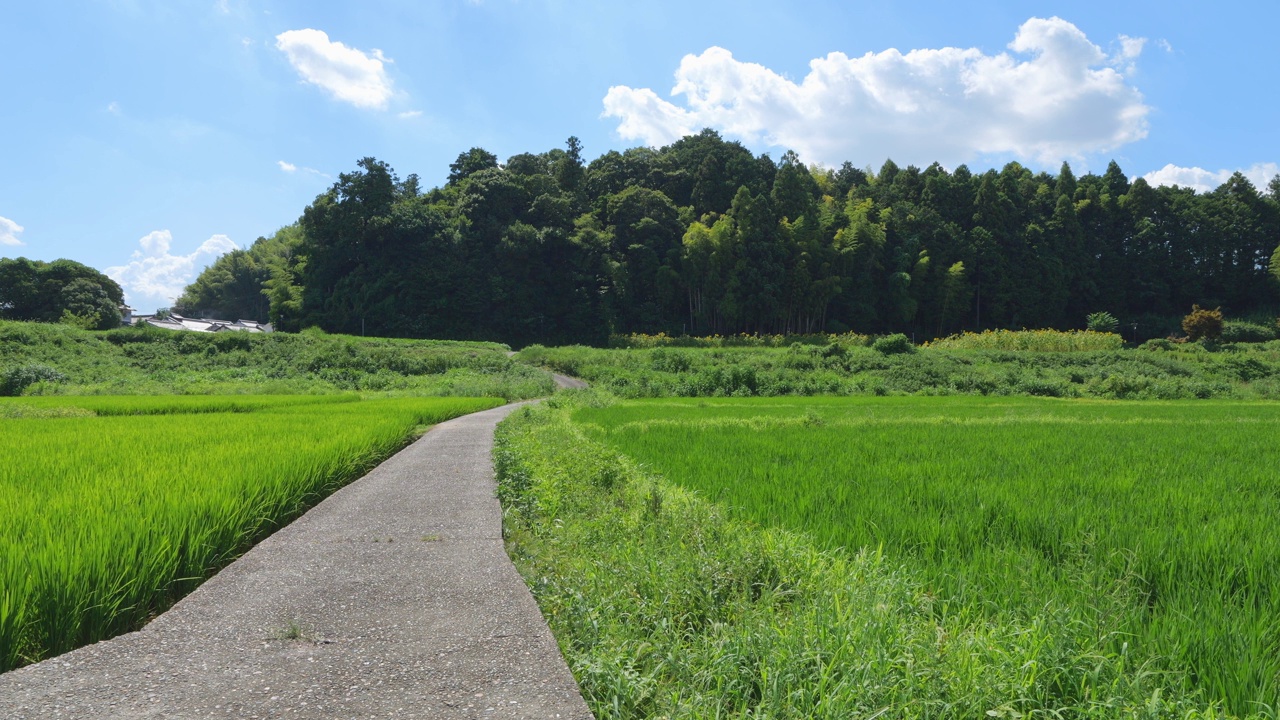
(60, 291)
(703, 237)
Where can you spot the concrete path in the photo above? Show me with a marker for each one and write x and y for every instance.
(393, 598)
(565, 382)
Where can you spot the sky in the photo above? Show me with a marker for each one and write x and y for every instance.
(147, 137)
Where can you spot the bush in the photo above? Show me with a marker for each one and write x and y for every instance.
(1246, 332)
(1157, 344)
(893, 344)
(1203, 324)
(1103, 322)
(14, 380)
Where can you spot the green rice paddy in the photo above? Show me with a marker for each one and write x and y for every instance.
(1160, 516)
(113, 508)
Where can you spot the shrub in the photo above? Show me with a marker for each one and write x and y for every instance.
(1203, 324)
(1103, 322)
(1246, 332)
(14, 380)
(893, 344)
(1157, 344)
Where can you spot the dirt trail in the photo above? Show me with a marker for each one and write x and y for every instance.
(564, 382)
(393, 598)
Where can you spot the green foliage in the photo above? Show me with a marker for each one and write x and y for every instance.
(14, 381)
(143, 518)
(1102, 322)
(639, 340)
(893, 345)
(140, 360)
(1032, 341)
(1241, 331)
(703, 238)
(666, 605)
(58, 290)
(1183, 371)
(252, 284)
(1202, 324)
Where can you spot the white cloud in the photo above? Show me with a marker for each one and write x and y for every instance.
(113, 107)
(409, 114)
(9, 232)
(291, 169)
(1201, 180)
(1130, 49)
(1061, 100)
(155, 275)
(347, 73)
(1165, 45)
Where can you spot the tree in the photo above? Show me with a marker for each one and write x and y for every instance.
(795, 193)
(1103, 322)
(1203, 324)
(36, 290)
(705, 236)
(471, 162)
(86, 304)
(956, 294)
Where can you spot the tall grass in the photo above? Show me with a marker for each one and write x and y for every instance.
(643, 341)
(107, 520)
(1031, 341)
(1006, 507)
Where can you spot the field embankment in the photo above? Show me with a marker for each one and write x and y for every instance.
(112, 508)
(1040, 363)
(957, 557)
(39, 358)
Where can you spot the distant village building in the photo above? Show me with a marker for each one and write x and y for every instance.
(178, 322)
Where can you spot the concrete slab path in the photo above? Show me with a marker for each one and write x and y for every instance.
(393, 598)
(565, 382)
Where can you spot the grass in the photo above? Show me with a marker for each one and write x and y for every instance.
(48, 359)
(1249, 371)
(107, 519)
(669, 605)
(1032, 341)
(1152, 522)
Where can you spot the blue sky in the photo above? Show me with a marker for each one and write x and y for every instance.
(145, 137)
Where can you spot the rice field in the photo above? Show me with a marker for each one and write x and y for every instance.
(1155, 520)
(113, 508)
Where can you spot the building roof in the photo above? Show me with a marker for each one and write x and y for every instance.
(178, 322)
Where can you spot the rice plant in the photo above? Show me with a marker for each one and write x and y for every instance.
(106, 520)
(1155, 521)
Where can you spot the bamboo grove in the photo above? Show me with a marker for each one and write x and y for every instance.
(704, 237)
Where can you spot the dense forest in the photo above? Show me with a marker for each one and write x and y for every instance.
(704, 237)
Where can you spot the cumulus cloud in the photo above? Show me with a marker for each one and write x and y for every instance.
(157, 275)
(1058, 95)
(1130, 49)
(346, 73)
(9, 232)
(287, 167)
(1201, 180)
